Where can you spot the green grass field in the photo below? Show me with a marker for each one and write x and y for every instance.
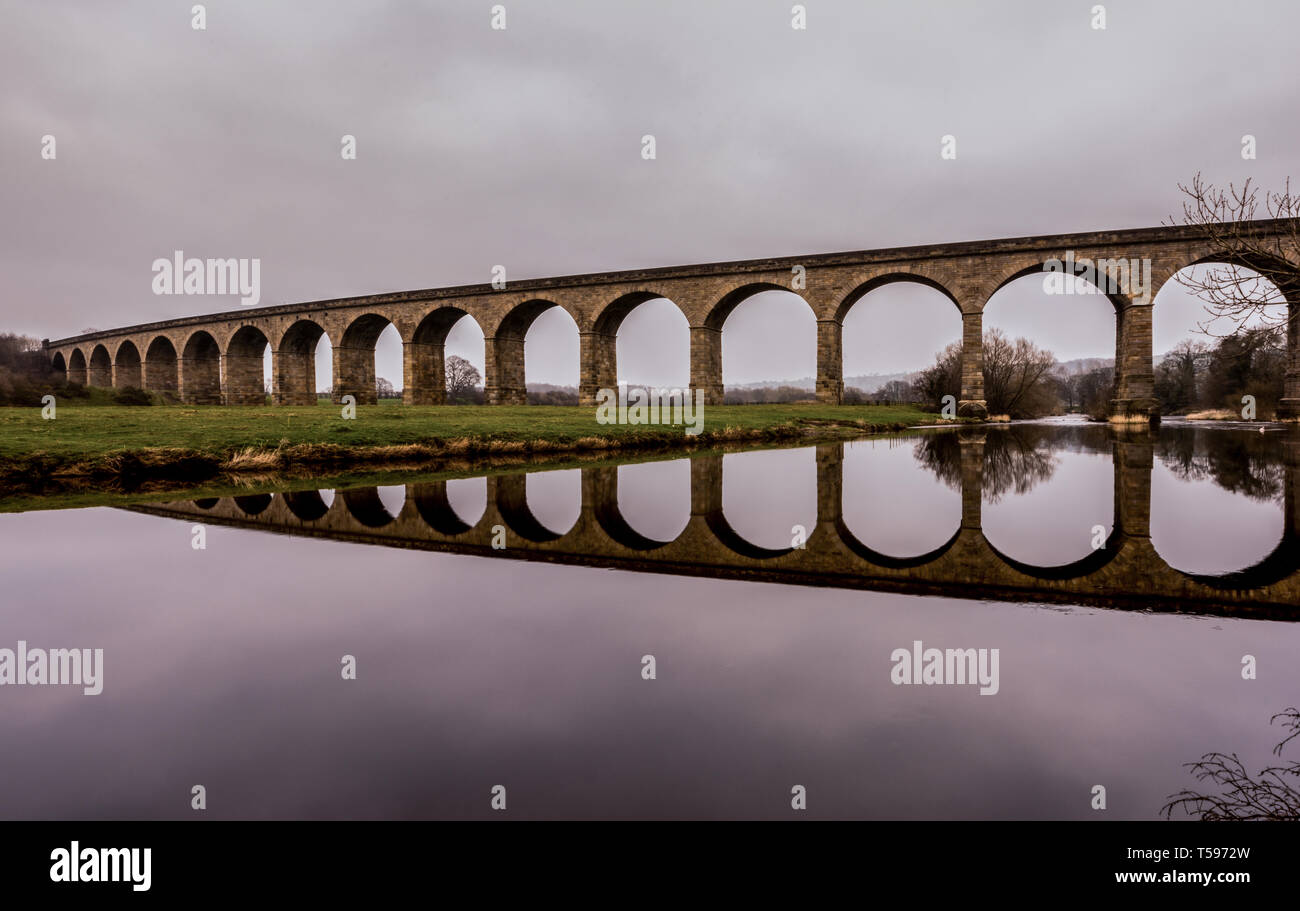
(88, 431)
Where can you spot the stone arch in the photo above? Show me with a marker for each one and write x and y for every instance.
(1081, 568)
(879, 558)
(1277, 566)
(434, 507)
(253, 504)
(306, 505)
(506, 380)
(1036, 264)
(367, 507)
(599, 347)
(200, 370)
(830, 332)
(1165, 268)
(127, 367)
(510, 494)
(245, 366)
(882, 514)
(424, 367)
(743, 483)
(354, 358)
(602, 485)
(653, 498)
(888, 278)
(1134, 395)
(1261, 262)
(59, 365)
(610, 317)
(294, 381)
(718, 313)
(77, 370)
(1267, 271)
(101, 367)
(706, 339)
(161, 367)
(733, 541)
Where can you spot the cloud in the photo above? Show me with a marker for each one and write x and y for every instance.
(478, 147)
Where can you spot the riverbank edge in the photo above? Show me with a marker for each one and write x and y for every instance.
(159, 468)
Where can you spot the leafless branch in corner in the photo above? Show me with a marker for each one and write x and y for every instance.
(1271, 794)
(1260, 268)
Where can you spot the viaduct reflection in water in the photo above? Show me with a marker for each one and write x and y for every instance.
(1127, 572)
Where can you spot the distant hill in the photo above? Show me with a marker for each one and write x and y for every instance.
(870, 382)
(1084, 365)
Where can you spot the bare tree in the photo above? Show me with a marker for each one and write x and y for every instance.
(1259, 269)
(462, 377)
(1245, 797)
(1016, 376)
(384, 389)
(1177, 375)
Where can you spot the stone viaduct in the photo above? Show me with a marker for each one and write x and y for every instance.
(218, 358)
(1126, 573)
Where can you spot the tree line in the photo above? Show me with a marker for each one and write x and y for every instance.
(1022, 380)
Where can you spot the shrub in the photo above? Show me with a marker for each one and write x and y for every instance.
(132, 395)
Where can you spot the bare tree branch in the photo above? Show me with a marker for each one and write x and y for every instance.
(1259, 271)
(1270, 795)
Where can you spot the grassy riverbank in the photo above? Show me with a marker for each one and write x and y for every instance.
(94, 444)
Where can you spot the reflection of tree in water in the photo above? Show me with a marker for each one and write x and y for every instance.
(1270, 795)
(1016, 458)
(1246, 463)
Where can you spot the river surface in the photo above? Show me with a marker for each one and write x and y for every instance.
(771, 589)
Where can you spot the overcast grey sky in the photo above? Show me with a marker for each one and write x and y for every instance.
(522, 147)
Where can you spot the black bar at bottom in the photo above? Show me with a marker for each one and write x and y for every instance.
(335, 859)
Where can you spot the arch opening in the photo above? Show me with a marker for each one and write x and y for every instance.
(654, 498)
(1048, 502)
(768, 351)
(444, 359)
(894, 330)
(128, 370)
(101, 368)
(306, 505)
(253, 504)
(161, 368)
(451, 507)
(355, 358)
(1209, 360)
(892, 505)
(60, 367)
(245, 367)
(77, 372)
(296, 375)
(1223, 502)
(374, 507)
(200, 370)
(1053, 351)
(506, 382)
(769, 517)
(554, 498)
(553, 340)
(641, 339)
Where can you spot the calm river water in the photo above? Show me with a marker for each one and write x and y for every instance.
(222, 665)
